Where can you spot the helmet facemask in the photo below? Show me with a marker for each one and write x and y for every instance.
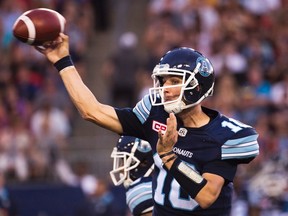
(126, 166)
(123, 162)
(188, 85)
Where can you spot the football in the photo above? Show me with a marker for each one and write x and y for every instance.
(38, 26)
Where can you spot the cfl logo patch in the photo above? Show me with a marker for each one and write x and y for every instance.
(157, 126)
(182, 132)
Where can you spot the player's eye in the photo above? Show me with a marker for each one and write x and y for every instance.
(172, 80)
(176, 81)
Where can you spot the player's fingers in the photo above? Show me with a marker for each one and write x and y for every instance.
(160, 135)
(61, 34)
(171, 122)
(64, 37)
(41, 49)
(172, 125)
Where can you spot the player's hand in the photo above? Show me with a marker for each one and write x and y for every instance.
(55, 50)
(168, 139)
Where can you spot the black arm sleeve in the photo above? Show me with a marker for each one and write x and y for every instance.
(225, 168)
(188, 178)
(130, 123)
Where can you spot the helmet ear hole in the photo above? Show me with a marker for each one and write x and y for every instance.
(190, 96)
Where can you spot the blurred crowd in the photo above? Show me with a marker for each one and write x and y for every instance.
(246, 41)
(36, 115)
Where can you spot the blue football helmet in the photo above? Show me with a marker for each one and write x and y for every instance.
(197, 74)
(132, 159)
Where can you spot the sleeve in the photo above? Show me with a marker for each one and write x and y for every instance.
(132, 120)
(139, 196)
(227, 169)
(242, 147)
(130, 124)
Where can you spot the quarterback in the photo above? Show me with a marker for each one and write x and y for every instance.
(196, 149)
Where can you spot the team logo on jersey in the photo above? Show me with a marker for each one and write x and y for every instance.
(183, 152)
(182, 132)
(157, 126)
(206, 68)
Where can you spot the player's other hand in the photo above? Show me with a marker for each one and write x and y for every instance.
(55, 50)
(168, 139)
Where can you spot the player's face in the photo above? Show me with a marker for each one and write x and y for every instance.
(173, 87)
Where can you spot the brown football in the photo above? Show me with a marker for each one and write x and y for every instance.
(38, 26)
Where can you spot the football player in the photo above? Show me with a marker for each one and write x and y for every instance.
(196, 149)
(132, 166)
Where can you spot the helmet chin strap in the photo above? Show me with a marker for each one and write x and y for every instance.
(174, 107)
(179, 105)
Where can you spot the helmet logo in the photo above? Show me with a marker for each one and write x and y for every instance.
(144, 146)
(206, 68)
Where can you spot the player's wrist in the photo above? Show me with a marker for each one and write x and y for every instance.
(162, 155)
(169, 159)
(63, 63)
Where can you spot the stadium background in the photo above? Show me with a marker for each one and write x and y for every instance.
(246, 41)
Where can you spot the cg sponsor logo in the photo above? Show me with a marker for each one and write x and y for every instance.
(157, 126)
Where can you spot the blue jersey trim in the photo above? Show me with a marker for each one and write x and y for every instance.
(139, 194)
(240, 140)
(240, 148)
(142, 109)
(138, 190)
(138, 200)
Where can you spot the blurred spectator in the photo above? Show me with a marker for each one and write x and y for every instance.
(81, 176)
(32, 139)
(234, 61)
(51, 92)
(144, 83)
(101, 201)
(51, 128)
(161, 34)
(4, 119)
(226, 95)
(259, 7)
(279, 92)
(9, 12)
(7, 207)
(78, 26)
(101, 10)
(14, 144)
(121, 70)
(15, 105)
(162, 6)
(26, 85)
(254, 95)
(39, 168)
(268, 188)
